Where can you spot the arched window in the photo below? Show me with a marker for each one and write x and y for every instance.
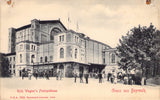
(53, 32)
(76, 53)
(61, 53)
(113, 58)
(41, 59)
(45, 58)
(32, 58)
(20, 58)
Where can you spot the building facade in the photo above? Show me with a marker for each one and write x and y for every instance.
(48, 46)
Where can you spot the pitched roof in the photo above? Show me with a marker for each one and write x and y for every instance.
(9, 54)
(41, 22)
(23, 27)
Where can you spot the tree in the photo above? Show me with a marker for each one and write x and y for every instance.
(4, 66)
(156, 53)
(138, 49)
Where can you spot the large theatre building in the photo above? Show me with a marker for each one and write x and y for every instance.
(49, 46)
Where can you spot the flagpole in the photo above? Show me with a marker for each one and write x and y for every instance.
(77, 27)
(68, 21)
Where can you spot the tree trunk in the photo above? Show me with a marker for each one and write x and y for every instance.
(154, 70)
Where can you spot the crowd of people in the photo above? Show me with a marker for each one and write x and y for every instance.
(111, 76)
(42, 74)
(125, 78)
(81, 75)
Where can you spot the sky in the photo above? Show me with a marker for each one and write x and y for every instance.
(102, 20)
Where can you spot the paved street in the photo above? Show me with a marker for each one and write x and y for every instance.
(66, 89)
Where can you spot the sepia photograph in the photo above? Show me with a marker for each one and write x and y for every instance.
(80, 50)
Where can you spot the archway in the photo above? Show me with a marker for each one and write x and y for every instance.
(54, 32)
(61, 70)
(61, 67)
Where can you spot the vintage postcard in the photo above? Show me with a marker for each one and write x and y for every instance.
(80, 50)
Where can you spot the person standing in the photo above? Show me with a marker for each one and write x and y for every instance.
(125, 79)
(103, 76)
(81, 77)
(29, 75)
(75, 77)
(115, 77)
(100, 77)
(36, 74)
(61, 75)
(58, 74)
(86, 77)
(23, 75)
(108, 77)
(47, 75)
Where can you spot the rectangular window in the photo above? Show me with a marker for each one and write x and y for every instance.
(75, 39)
(10, 58)
(37, 48)
(20, 58)
(13, 58)
(27, 46)
(34, 48)
(76, 53)
(24, 35)
(27, 58)
(103, 56)
(51, 58)
(32, 26)
(113, 58)
(13, 71)
(81, 42)
(103, 60)
(13, 66)
(59, 38)
(32, 37)
(62, 37)
(20, 36)
(21, 46)
(45, 58)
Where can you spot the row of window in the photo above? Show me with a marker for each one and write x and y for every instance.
(24, 35)
(62, 53)
(51, 57)
(62, 56)
(30, 38)
(112, 58)
(32, 58)
(10, 66)
(76, 38)
(33, 47)
(11, 71)
(10, 58)
(61, 38)
(45, 59)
